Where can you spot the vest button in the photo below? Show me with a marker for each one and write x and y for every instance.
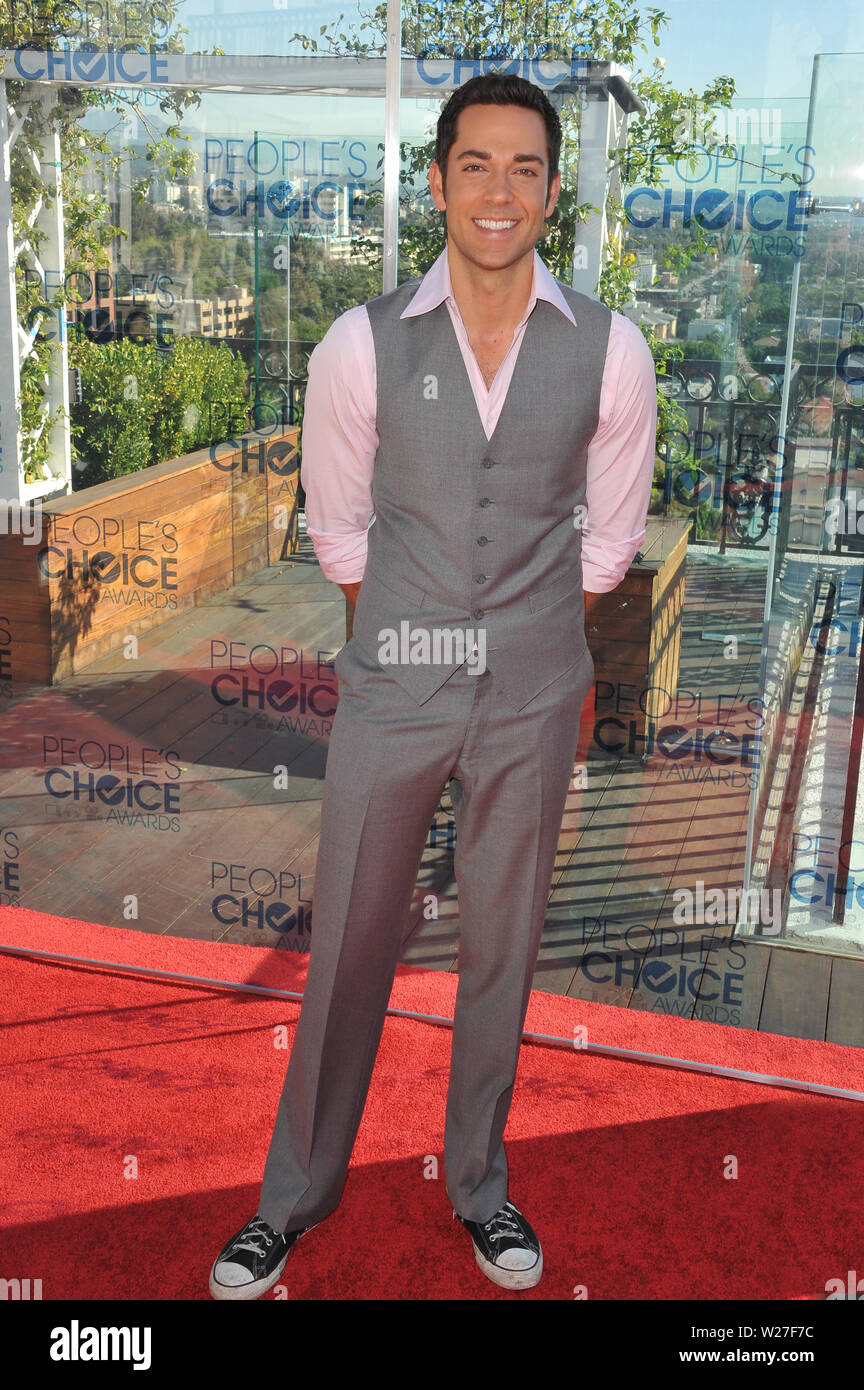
(481, 578)
(479, 613)
(482, 540)
(484, 501)
(488, 463)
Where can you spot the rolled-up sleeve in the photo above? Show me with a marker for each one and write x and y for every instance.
(620, 464)
(339, 444)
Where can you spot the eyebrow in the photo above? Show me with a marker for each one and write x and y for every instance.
(517, 158)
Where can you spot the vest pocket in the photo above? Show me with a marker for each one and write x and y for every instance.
(381, 604)
(569, 584)
(402, 588)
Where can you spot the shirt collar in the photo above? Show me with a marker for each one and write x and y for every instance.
(435, 288)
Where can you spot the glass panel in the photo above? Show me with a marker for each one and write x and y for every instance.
(188, 338)
(264, 223)
(806, 825)
(715, 237)
(253, 253)
(252, 249)
(251, 27)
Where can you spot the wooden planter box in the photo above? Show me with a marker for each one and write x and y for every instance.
(634, 635)
(119, 558)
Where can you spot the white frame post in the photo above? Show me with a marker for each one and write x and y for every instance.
(47, 218)
(10, 382)
(50, 222)
(603, 128)
(392, 81)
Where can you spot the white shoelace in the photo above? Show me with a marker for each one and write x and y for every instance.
(253, 1236)
(503, 1222)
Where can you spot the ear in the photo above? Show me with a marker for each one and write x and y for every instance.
(436, 186)
(554, 190)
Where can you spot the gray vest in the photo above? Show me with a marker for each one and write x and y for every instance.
(473, 533)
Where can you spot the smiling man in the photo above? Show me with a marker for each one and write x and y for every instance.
(455, 432)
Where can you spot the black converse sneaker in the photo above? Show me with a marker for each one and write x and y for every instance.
(252, 1260)
(506, 1248)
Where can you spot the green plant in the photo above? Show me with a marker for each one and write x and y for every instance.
(708, 521)
(142, 405)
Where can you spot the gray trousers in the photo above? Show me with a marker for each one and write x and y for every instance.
(388, 762)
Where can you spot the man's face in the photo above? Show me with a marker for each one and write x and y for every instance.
(497, 171)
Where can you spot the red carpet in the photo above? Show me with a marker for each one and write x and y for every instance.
(619, 1166)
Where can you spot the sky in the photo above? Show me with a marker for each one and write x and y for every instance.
(766, 45)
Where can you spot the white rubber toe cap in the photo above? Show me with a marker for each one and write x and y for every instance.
(517, 1259)
(233, 1276)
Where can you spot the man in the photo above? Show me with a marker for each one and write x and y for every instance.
(455, 432)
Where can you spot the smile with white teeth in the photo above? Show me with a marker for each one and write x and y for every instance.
(493, 225)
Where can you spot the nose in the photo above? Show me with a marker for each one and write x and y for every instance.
(498, 188)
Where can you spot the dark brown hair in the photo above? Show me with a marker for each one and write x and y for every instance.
(498, 89)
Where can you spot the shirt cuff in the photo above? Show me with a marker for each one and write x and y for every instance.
(342, 557)
(605, 563)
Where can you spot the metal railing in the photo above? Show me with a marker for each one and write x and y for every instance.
(719, 468)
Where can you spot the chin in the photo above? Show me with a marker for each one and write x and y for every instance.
(495, 252)
(498, 258)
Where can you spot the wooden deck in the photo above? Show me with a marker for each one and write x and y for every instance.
(230, 854)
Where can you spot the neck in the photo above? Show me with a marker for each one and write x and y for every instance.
(490, 300)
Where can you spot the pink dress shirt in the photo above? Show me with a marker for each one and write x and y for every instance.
(340, 440)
